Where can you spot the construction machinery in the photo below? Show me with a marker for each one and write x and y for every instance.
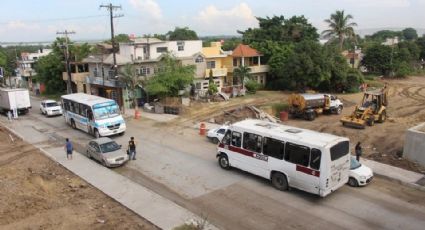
(372, 109)
(308, 105)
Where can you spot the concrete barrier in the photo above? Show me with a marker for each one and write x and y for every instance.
(414, 144)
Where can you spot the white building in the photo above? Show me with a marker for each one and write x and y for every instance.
(26, 71)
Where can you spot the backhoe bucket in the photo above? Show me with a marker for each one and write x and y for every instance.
(353, 122)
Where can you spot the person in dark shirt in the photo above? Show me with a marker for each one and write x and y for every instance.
(358, 150)
(132, 149)
(69, 148)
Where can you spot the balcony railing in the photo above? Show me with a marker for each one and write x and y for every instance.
(254, 68)
(105, 82)
(216, 72)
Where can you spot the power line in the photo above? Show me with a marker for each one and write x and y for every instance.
(56, 19)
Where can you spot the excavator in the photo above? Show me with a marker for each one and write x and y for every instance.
(372, 109)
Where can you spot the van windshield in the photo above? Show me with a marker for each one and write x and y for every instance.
(106, 112)
(339, 150)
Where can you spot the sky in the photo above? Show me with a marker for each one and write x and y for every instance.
(31, 21)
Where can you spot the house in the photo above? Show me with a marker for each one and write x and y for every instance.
(391, 41)
(353, 58)
(25, 67)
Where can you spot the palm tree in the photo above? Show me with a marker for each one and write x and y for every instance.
(132, 80)
(242, 72)
(340, 27)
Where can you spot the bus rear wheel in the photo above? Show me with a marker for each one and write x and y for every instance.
(279, 181)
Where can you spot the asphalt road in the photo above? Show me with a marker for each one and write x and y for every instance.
(178, 164)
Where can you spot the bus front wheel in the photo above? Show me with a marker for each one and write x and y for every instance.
(223, 161)
(96, 133)
(73, 124)
(279, 181)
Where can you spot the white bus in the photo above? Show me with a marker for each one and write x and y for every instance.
(93, 114)
(315, 162)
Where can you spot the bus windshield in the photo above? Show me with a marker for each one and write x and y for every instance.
(106, 112)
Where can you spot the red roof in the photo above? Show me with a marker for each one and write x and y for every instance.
(352, 55)
(245, 51)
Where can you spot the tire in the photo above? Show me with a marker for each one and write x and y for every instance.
(73, 124)
(353, 182)
(383, 116)
(371, 121)
(215, 140)
(310, 116)
(338, 110)
(223, 161)
(88, 154)
(104, 163)
(97, 134)
(279, 181)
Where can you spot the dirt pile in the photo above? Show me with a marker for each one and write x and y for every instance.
(37, 193)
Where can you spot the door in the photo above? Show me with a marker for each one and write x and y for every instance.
(255, 161)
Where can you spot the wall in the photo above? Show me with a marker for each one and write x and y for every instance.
(414, 144)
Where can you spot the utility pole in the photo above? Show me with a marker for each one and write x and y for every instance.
(111, 8)
(68, 69)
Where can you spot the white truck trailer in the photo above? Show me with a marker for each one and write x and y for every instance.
(14, 99)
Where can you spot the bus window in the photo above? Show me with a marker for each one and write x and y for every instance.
(83, 110)
(273, 148)
(297, 154)
(252, 142)
(227, 137)
(315, 159)
(339, 150)
(236, 139)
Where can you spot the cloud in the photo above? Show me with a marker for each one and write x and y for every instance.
(379, 3)
(212, 20)
(149, 8)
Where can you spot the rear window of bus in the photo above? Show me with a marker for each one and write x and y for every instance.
(339, 150)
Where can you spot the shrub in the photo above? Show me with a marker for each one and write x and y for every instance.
(252, 86)
(403, 70)
(212, 88)
(279, 107)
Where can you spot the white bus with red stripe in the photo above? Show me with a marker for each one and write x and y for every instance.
(315, 162)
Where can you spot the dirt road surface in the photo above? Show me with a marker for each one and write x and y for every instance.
(382, 142)
(37, 193)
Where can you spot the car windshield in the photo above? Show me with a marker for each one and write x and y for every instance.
(106, 112)
(109, 147)
(354, 164)
(52, 104)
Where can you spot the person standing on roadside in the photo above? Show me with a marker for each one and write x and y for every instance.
(132, 149)
(69, 148)
(358, 150)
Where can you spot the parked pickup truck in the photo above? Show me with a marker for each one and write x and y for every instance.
(11, 99)
(215, 135)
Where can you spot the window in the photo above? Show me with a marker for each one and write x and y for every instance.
(95, 72)
(273, 148)
(180, 46)
(339, 150)
(297, 154)
(198, 85)
(315, 159)
(161, 49)
(252, 142)
(83, 110)
(221, 131)
(235, 62)
(227, 137)
(210, 64)
(199, 59)
(236, 139)
(144, 71)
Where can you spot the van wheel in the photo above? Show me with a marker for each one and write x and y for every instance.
(96, 134)
(353, 182)
(279, 181)
(223, 161)
(73, 124)
(339, 110)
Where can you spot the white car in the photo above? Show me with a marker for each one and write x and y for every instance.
(107, 152)
(216, 135)
(360, 175)
(50, 108)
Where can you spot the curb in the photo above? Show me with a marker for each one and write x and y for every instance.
(407, 184)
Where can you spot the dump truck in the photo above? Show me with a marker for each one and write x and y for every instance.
(14, 99)
(308, 106)
(371, 109)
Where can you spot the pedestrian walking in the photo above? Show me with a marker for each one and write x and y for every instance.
(358, 150)
(132, 149)
(69, 148)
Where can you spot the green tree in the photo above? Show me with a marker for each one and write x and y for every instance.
(212, 87)
(49, 71)
(171, 77)
(340, 27)
(409, 34)
(79, 52)
(130, 77)
(379, 59)
(241, 73)
(421, 44)
(181, 34)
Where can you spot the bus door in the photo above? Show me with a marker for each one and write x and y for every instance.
(90, 123)
(254, 159)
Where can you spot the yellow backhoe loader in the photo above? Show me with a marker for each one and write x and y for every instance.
(372, 109)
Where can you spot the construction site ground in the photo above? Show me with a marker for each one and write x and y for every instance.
(382, 142)
(38, 192)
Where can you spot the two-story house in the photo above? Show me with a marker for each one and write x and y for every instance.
(26, 71)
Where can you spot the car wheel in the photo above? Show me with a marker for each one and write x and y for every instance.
(215, 140)
(104, 163)
(73, 124)
(353, 182)
(279, 181)
(96, 134)
(223, 161)
(88, 154)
